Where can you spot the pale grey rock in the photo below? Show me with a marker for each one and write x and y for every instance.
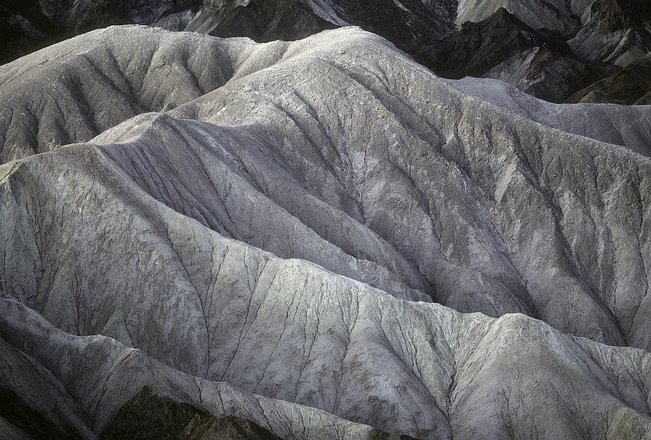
(328, 342)
(116, 373)
(77, 89)
(334, 182)
(263, 228)
(628, 127)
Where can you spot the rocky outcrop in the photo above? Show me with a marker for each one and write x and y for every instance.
(545, 73)
(410, 24)
(536, 61)
(617, 48)
(477, 47)
(257, 231)
(554, 15)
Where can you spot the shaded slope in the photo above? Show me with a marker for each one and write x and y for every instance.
(33, 404)
(536, 61)
(546, 73)
(613, 15)
(616, 32)
(549, 14)
(617, 48)
(257, 19)
(147, 416)
(20, 35)
(477, 47)
(410, 24)
(631, 85)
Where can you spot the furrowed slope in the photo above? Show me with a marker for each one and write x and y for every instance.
(215, 310)
(379, 171)
(448, 164)
(75, 90)
(263, 230)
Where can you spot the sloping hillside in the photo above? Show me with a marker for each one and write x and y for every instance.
(316, 239)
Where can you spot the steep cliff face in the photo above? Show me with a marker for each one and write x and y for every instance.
(257, 232)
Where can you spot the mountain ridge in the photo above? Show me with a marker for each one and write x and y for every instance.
(563, 48)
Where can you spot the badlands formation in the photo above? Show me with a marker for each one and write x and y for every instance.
(206, 237)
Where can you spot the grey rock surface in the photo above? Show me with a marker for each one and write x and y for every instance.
(413, 368)
(623, 126)
(257, 230)
(308, 163)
